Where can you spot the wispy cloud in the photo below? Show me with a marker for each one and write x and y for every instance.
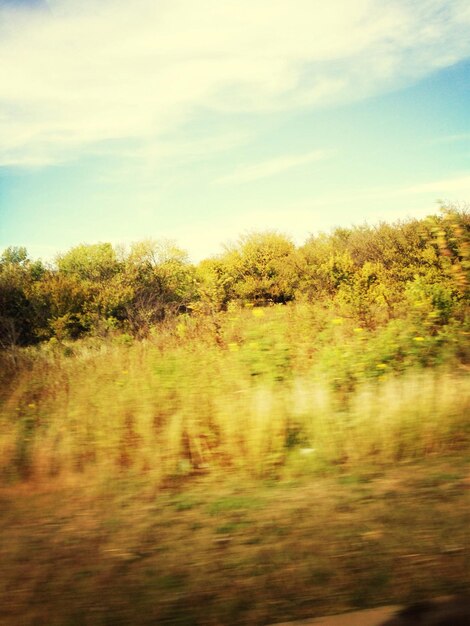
(450, 189)
(84, 73)
(451, 138)
(265, 169)
(446, 188)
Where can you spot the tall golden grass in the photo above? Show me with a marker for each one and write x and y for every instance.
(248, 397)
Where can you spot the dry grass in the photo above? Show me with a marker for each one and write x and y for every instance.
(221, 551)
(244, 470)
(192, 407)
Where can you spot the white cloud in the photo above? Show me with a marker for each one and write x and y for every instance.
(451, 189)
(451, 138)
(447, 188)
(85, 72)
(264, 169)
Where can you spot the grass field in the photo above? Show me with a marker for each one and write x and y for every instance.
(239, 395)
(224, 551)
(261, 466)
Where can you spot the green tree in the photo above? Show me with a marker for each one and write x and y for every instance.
(18, 309)
(260, 268)
(61, 301)
(93, 262)
(160, 282)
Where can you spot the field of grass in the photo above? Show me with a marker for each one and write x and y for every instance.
(225, 551)
(255, 466)
(238, 393)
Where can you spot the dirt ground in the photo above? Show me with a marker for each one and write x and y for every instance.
(369, 617)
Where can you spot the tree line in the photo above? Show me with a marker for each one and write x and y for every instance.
(373, 274)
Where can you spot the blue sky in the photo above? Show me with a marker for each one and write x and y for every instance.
(198, 121)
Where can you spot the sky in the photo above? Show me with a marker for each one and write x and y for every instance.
(199, 121)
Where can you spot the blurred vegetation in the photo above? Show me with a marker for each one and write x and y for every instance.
(352, 348)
